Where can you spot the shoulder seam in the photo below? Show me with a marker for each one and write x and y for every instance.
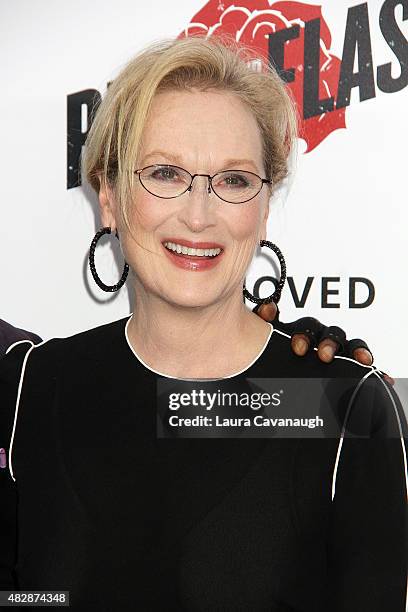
(18, 342)
(343, 429)
(20, 386)
(404, 454)
(340, 445)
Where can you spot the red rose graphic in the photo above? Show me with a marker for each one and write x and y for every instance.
(251, 22)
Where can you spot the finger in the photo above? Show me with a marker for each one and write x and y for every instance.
(309, 327)
(363, 356)
(300, 344)
(354, 345)
(389, 379)
(337, 335)
(327, 349)
(267, 312)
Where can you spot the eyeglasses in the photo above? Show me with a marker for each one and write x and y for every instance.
(233, 186)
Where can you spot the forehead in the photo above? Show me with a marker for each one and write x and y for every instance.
(205, 127)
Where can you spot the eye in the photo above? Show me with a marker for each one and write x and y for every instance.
(164, 173)
(233, 180)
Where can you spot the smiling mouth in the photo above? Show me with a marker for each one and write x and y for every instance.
(179, 249)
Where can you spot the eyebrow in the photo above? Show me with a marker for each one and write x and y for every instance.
(228, 163)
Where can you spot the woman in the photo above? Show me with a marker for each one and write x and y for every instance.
(111, 511)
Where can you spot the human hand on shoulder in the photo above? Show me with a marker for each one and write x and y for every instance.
(308, 332)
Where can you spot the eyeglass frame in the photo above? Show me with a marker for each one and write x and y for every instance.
(210, 178)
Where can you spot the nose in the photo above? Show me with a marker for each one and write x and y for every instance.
(197, 213)
(208, 182)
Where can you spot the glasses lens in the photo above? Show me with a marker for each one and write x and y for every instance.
(236, 186)
(165, 181)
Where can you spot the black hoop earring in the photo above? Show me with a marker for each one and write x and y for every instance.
(276, 295)
(105, 230)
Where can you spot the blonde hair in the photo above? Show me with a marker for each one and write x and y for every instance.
(220, 63)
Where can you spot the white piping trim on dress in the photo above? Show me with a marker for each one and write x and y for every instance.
(343, 430)
(20, 385)
(18, 342)
(255, 359)
(404, 454)
(377, 374)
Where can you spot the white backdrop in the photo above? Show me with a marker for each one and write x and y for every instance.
(346, 214)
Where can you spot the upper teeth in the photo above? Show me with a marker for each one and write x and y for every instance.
(179, 248)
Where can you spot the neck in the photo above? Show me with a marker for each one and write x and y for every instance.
(193, 342)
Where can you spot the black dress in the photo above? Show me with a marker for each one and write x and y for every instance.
(94, 503)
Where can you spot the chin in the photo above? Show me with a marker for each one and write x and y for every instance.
(185, 299)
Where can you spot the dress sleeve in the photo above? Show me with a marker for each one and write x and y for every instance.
(10, 371)
(368, 538)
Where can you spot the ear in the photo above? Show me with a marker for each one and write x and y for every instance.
(107, 205)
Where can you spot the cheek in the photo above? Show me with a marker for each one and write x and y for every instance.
(147, 214)
(244, 222)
